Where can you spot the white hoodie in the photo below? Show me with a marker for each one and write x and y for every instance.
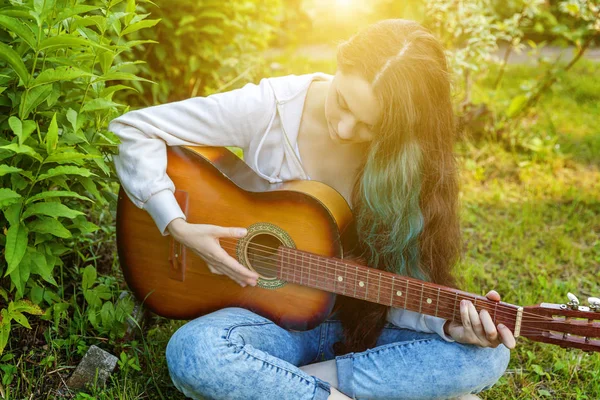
(261, 119)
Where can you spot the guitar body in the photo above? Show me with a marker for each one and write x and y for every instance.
(216, 187)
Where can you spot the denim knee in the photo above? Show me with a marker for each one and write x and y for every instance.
(188, 355)
(200, 356)
(492, 366)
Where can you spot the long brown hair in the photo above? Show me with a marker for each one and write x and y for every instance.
(406, 195)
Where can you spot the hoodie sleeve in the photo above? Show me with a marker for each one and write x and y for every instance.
(418, 322)
(226, 119)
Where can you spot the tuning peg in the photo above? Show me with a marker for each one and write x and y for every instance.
(574, 301)
(594, 303)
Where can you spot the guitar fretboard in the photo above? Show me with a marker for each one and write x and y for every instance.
(354, 280)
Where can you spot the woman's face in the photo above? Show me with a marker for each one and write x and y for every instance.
(351, 109)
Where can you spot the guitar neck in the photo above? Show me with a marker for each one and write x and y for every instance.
(354, 280)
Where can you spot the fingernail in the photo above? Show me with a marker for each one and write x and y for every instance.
(242, 232)
(501, 326)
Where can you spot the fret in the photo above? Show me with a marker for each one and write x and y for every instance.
(308, 278)
(437, 302)
(379, 288)
(392, 292)
(283, 254)
(495, 309)
(454, 308)
(406, 294)
(296, 264)
(421, 301)
(297, 271)
(355, 279)
(367, 286)
(345, 278)
(335, 276)
(318, 278)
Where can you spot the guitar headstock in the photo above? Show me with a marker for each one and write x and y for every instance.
(566, 325)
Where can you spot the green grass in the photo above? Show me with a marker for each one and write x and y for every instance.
(531, 224)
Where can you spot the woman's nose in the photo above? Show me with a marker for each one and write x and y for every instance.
(346, 126)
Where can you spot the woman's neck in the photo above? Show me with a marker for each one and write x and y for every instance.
(314, 105)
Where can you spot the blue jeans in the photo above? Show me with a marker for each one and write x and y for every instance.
(234, 353)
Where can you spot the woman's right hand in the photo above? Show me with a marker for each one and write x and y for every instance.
(203, 239)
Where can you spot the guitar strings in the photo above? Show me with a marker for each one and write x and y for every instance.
(446, 313)
(511, 310)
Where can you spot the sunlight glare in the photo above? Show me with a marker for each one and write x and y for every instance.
(344, 3)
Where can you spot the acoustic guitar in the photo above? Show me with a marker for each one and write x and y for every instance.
(298, 233)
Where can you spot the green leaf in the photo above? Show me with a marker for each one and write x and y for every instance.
(20, 275)
(69, 41)
(28, 127)
(211, 30)
(140, 25)
(4, 330)
(56, 193)
(65, 170)
(26, 306)
(120, 76)
(516, 105)
(100, 104)
(89, 277)
(91, 149)
(13, 212)
(14, 25)
(56, 93)
(22, 149)
(21, 319)
(4, 294)
(84, 225)
(90, 186)
(14, 59)
(68, 156)
(35, 97)
(52, 136)
(538, 369)
(106, 60)
(95, 296)
(69, 12)
(64, 73)
(107, 313)
(72, 118)
(213, 14)
(8, 197)
(7, 169)
(49, 225)
(133, 43)
(17, 127)
(106, 92)
(51, 210)
(40, 266)
(16, 245)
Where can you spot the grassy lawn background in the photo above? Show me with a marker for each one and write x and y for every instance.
(531, 224)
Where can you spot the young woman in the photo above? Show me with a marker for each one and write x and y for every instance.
(381, 132)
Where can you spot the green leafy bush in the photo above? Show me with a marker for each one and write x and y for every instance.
(57, 58)
(203, 47)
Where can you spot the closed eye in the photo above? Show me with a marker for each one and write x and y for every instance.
(341, 102)
(344, 106)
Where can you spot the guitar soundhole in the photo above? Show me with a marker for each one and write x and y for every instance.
(262, 255)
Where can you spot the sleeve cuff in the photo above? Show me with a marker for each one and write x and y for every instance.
(436, 324)
(163, 208)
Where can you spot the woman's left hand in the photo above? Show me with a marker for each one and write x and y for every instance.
(478, 328)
